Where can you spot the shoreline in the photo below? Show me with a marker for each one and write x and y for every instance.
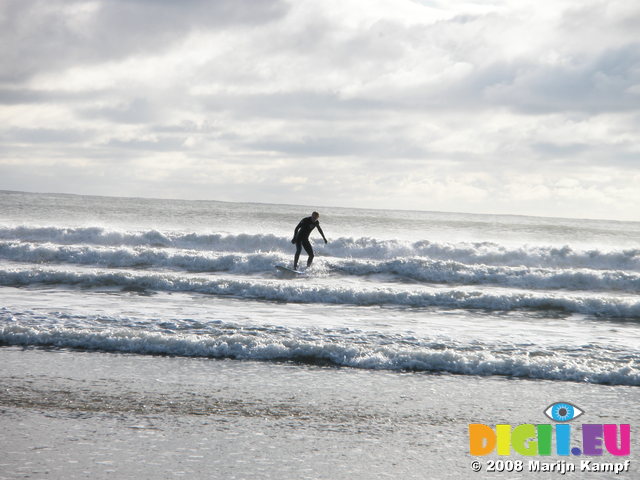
(68, 412)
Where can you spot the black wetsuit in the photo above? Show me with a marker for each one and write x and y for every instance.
(301, 239)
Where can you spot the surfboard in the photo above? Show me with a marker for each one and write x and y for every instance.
(288, 271)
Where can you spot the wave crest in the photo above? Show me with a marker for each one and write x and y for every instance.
(301, 292)
(322, 350)
(486, 253)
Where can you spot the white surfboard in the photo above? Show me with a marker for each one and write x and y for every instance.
(288, 271)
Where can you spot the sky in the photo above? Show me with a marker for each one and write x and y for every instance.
(527, 107)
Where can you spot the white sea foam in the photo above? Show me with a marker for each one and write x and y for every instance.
(347, 294)
(452, 272)
(487, 253)
(368, 352)
(412, 268)
(154, 238)
(140, 257)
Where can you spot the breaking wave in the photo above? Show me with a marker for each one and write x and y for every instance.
(418, 269)
(347, 349)
(487, 253)
(303, 292)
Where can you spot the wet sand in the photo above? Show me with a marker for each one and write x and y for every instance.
(74, 414)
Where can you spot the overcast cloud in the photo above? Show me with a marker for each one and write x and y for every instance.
(521, 107)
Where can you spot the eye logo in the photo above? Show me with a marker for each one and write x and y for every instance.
(563, 412)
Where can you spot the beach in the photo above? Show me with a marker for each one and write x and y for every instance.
(70, 414)
(145, 338)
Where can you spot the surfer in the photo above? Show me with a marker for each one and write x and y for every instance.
(301, 237)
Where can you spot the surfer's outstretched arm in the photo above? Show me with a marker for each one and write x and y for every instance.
(322, 233)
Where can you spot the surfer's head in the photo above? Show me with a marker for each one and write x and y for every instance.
(315, 215)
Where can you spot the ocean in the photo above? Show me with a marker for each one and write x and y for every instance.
(464, 299)
(437, 292)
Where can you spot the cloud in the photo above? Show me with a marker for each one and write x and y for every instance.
(41, 35)
(594, 85)
(44, 135)
(482, 105)
(136, 110)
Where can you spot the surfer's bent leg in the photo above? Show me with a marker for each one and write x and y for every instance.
(309, 250)
(297, 255)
